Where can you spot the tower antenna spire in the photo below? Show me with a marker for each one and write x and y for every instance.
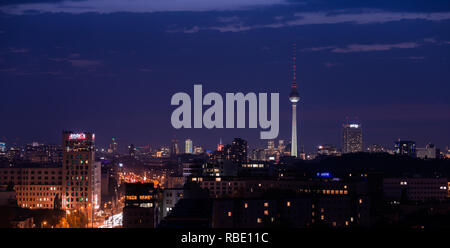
(294, 65)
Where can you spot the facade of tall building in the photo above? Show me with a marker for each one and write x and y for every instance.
(41, 153)
(375, 148)
(81, 175)
(281, 146)
(175, 149)
(198, 150)
(352, 140)
(140, 206)
(188, 148)
(220, 146)
(238, 151)
(113, 146)
(428, 152)
(131, 150)
(2, 148)
(294, 97)
(405, 147)
(36, 187)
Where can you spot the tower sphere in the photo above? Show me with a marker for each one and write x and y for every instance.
(294, 96)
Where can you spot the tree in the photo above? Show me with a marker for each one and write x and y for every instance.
(57, 203)
(77, 219)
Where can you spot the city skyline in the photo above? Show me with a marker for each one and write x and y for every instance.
(385, 63)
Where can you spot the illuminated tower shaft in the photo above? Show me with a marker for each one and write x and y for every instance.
(294, 130)
(294, 97)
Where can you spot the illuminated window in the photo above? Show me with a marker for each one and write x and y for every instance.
(145, 197)
(258, 220)
(245, 205)
(131, 197)
(229, 214)
(288, 204)
(266, 212)
(266, 204)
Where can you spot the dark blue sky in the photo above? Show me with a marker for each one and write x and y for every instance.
(112, 66)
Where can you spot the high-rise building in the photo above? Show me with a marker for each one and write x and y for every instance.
(220, 146)
(198, 150)
(188, 148)
(131, 150)
(375, 148)
(81, 174)
(352, 140)
(271, 144)
(281, 146)
(175, 150)
(327, 150)
(41, 153)
(404, 147)
(2, 148)
(140, 206)
(238, 151)
(428, 152)
(113, 146)
(294, 97)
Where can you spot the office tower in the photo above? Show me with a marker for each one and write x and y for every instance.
(113, 146)
(2, 148)
(41, 153)
(404, 147)
(302, 154)
(175, 150)
(198, 150)
(188, 148)
(428, 152)
(352, 138)
(281, 146)
(37, 187)
(237, 152)
(327, 150)
(140, 206)
(374, 148)
(220, 146)
(131, 150)
(81, 175)
(294, 98)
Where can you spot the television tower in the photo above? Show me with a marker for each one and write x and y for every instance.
(294, 98)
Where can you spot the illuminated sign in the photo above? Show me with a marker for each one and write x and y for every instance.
(323, 174)
(77, 136)
(354, 125)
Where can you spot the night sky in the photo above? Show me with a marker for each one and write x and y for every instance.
(112, 66)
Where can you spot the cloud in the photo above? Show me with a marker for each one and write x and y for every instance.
(74, 60)
(317, 49)
(85, 62)
(135, 6)
(324, 18)
(18, 50)
(365, 17)
(227, 19)
(373, 47)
